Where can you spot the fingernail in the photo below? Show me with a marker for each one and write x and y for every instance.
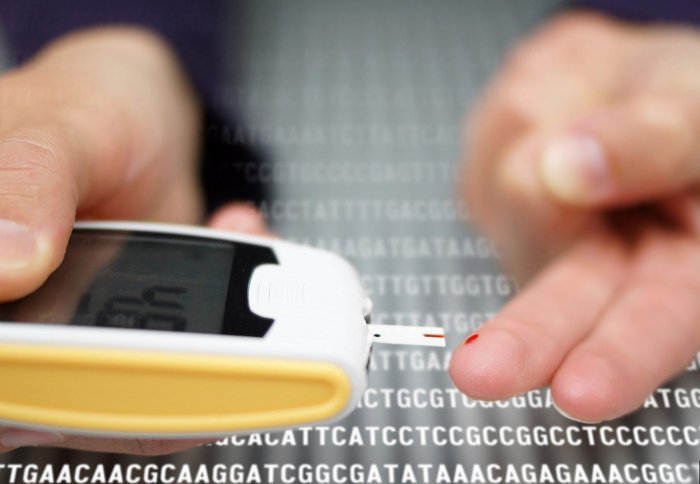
(13, 438)
(575, 169)
(17, 244)
(564, 414)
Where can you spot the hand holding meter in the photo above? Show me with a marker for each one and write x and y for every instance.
(151, 330)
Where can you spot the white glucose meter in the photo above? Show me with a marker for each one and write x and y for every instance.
(153, 330)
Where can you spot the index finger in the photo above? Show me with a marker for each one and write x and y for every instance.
(522, 347)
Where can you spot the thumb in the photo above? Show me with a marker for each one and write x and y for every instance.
(645, 149)
(38, 198)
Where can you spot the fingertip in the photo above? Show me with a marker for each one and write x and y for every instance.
(489, 365)
(17, 245)
(239, 217)
(132, 446)
(29, 257)
(161, 447)
(523, 193)
(568, 416)
(610, 157)
(5, 448)
(37, 208)
(590, 390)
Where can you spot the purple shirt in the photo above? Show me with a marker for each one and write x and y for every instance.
(678, 11)
(194, 27)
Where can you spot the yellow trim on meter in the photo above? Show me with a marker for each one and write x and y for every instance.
(139, 392)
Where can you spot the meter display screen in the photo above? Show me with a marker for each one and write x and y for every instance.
(151, 281)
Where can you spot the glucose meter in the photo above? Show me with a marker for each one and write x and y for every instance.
(154, 330)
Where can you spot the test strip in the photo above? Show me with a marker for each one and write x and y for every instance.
(407, 335)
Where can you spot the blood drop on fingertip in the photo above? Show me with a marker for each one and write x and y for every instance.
(471, 339)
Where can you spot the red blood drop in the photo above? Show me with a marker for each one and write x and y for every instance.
(471, 338)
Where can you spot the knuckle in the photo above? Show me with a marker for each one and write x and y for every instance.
(574, 27)
(516, 94)
(523, 62)
(673, 127)
(567, 37)
(544, 47)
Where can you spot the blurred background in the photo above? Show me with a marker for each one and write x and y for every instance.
(358, 110)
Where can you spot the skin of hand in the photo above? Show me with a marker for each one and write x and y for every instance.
(101, 124)
(584, 165)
